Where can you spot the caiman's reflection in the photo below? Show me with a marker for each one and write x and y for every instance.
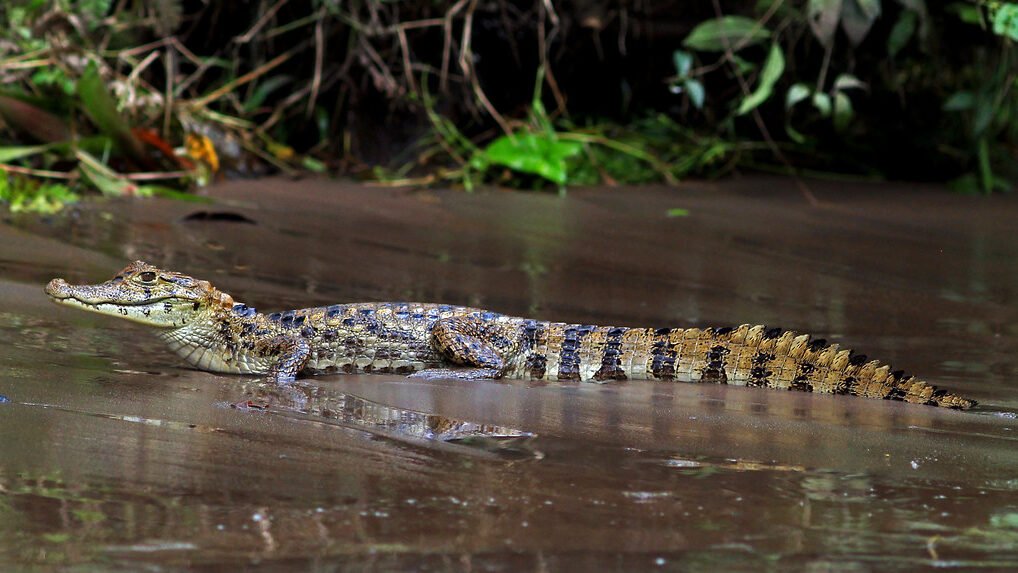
(308, 400)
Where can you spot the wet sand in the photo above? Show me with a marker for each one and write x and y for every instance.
(116, 457)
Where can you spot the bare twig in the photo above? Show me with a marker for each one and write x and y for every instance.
(268, 15)
(443, 79)
(253, 74)
(547, 10)
(405, 50)
(316, 83)
(467, 65)
(47, 174)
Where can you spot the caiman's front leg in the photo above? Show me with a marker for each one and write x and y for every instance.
(480, 345)
(290, 353)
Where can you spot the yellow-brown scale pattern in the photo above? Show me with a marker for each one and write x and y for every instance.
(744, 356)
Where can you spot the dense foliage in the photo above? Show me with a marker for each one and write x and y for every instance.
(140, 97)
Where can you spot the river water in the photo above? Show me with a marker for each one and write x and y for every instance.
(114, 456)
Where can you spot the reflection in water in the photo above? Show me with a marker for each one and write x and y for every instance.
(311, 400)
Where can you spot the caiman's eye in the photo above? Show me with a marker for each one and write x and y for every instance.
(147, 277)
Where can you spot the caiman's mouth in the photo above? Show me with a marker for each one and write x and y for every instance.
(60, 291)
(148, 311)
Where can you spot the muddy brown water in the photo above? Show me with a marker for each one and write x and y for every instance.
(114, 456)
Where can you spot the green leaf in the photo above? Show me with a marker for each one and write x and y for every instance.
(1005, 21)
(264, 89)
(823, 16)
(313, 165)
(857, 17)
(848, 81)
(985, 111)
(539, 154)
(168, 193)
(968, 13)
(677, 212)
(842, 111)
(960, 101)
(720, 34)
(694, 89)
(12, 152)
(796, 94)
(28, 195)
(901, 33)
(107, 181)
(102, 108)
(773, 68)
(742, 66)
(822, 102)
(683, 62)
(794, 135)
(967, 184)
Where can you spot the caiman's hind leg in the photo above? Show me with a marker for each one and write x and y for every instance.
(479, 345)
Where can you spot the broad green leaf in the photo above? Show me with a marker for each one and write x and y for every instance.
(901, 33)
(842, 111)
(102, 108)
(533, 153)
(677, 212)
(694, 89)
(726, 32)
(822, 102)
(918, 7)
(773, 68)
(683, 62)
(960, 101)
(796, 94)
(823, 16)
(857, 17)
(1005, 21)
(985, 111)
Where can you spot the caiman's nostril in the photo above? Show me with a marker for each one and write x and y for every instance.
(57, 288)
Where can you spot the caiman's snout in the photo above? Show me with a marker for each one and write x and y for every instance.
(58, 288)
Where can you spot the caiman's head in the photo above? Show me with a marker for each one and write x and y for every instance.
(146, 294)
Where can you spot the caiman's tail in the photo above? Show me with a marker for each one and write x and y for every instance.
(745, 356)
(776, 359)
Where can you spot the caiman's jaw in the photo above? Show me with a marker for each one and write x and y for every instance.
(145, 294)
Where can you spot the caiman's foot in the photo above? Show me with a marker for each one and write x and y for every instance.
(457, 373)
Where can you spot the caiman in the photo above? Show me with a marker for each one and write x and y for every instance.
(213, 332)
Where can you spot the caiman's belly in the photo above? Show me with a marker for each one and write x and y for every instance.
(400, 358)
